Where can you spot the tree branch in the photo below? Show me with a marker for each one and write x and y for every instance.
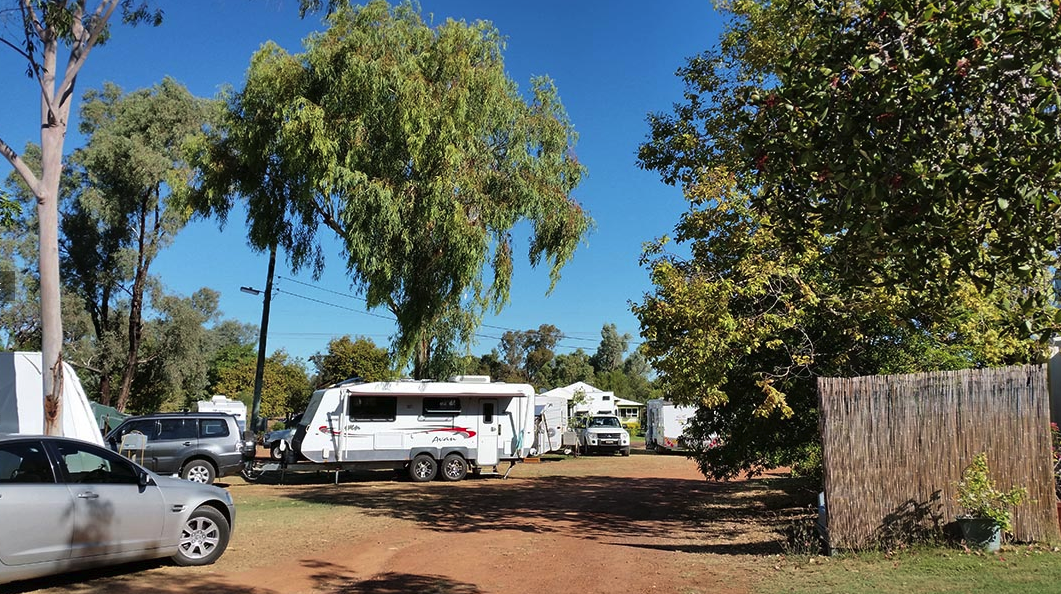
(83, 45)
(20, 166)
(29, 15)
(17, 49)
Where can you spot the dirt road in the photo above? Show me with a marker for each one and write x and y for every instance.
(593, 524)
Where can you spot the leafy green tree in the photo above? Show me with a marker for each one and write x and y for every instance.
(920, 136)
(744, 327)
(857, 189)
(46, 25)
(285, 385)
(177, 352)
(348, 358)
(611, 351)
(414, 147)
(527, 352)
(568, 368)
(120, 214)
(234, 348)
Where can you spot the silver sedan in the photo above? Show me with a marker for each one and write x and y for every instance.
(67, 504)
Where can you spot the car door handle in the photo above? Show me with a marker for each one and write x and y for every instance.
(88, 495)
(187, 443)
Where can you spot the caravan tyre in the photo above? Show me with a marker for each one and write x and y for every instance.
(454, 467)
(423, 468)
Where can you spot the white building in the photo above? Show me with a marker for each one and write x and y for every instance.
(589, 400)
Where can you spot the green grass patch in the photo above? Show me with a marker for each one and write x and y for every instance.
(1023, 570)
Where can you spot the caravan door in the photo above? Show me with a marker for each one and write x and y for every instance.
(488, 427)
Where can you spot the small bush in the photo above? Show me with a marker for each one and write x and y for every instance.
(801, 537)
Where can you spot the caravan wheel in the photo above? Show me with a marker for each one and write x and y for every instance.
(454, 467)
(423, 468)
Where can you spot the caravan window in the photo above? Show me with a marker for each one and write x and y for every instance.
(372, 408)
(442, 406)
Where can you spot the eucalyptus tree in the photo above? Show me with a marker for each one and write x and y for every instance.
(43, 27)
(121, 212)
(286, 387)
(414, 147)
(611, 350)
(347, 358)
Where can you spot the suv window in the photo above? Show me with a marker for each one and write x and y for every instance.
(213, 428)
(177, 429)
(148, 427)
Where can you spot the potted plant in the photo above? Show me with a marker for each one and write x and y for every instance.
(987, 510)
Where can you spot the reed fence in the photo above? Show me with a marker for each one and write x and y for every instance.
(894, 448)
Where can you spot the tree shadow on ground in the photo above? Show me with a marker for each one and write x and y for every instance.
(128, 578)
(339, 580)
(661, 513)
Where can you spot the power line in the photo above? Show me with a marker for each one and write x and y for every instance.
(492, 326)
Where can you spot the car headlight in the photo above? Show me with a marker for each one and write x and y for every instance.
(626, 439)
(592, 438)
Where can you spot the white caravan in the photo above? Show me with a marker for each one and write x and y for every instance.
(665, 423)
(22, 399)
(430, 428)
(222, 404)
(550, 423)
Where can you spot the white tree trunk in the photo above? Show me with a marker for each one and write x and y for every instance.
(51, 320)
(55, 112)
(53, 132)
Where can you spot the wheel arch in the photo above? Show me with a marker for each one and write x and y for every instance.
(199, 456)
(220, 507)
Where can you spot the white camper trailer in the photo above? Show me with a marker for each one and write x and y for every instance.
(665, 423)
(223, 404)
(430, 428)
(22, 399)
(550, 422)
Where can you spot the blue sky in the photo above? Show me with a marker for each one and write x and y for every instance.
(613, 63)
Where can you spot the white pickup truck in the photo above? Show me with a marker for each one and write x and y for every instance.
(604, 433)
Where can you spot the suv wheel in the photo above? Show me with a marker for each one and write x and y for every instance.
(198, 471)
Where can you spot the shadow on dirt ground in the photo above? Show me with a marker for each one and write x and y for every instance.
(667, 514)
(336, 579)
(126, 579)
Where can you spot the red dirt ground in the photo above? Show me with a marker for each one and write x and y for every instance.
(647, 523)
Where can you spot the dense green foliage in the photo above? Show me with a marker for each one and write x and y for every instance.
(528, 357)
(118, 213)
(285, 386)
(414, 147)
(347, 359)
(761, 298)
(922, 136)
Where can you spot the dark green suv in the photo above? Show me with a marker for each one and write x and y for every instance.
(198, 446)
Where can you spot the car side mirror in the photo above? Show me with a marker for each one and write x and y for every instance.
(144, 479)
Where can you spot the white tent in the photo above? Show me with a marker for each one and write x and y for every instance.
(22, 399)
